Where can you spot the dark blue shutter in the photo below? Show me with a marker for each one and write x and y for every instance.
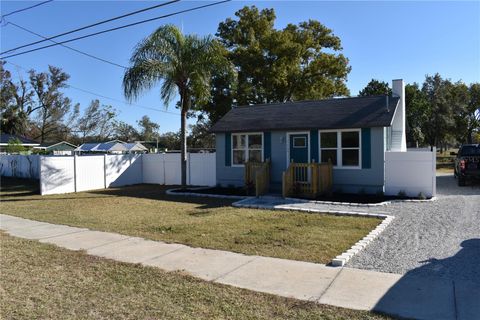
(228, 149)
(267, 148)
(366, 149)
(314, 145)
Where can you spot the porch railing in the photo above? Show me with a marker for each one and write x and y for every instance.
(257, 175)
(307, 180)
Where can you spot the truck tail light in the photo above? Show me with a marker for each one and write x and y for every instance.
(462, 164)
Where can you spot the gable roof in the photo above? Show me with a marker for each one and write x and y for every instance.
(114, 145)
(5, 137)
(135, 146)
(342, 113)
(51, 145)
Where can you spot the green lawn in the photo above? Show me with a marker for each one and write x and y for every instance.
(41, 281)
(145, 211)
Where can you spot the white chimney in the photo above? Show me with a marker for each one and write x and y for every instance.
(399, 139)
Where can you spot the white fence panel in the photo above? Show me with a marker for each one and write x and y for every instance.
(20, 166)
(89, 173)
(57, 175)
(82, 173)
(410, 172)
(201, 169)
(123, 170)
(153, 168)
(173, 170)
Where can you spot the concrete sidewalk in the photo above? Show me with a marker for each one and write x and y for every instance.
(398, 295)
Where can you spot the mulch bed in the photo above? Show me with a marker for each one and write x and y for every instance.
(229, 191)
(335, 197)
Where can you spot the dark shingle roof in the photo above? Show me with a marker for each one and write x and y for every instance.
(358, 112)
(5, 137)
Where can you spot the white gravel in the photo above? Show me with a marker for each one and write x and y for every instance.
(439, 238)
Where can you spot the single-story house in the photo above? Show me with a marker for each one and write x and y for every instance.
(5, 138)
(136, 147)
(111, 147)
(354, 133)
(62, 148)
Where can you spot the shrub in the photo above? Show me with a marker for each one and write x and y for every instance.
(15, 146)
(422, 196)
(402, 194)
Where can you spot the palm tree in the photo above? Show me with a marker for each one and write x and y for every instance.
(182, 64)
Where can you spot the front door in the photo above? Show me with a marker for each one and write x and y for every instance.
(299, 148)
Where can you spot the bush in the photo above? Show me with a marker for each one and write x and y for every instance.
(15, 146)
(402, 194)
(421, 196)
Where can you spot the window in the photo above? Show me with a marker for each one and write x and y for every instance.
(299, 142)
(341, 147)
(350, 148)
(247, 147)
(328, 147)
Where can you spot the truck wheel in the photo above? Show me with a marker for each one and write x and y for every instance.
(461, 182)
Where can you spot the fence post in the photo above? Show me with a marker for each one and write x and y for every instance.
(75, 173)
(314, 178)
(40, 158)
(434, 173)
(189, 176)
(105, 171)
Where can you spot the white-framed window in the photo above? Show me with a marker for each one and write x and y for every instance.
(328, 146)
(246, 147)
(342, 147)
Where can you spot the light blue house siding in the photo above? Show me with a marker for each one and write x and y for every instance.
(369, 178)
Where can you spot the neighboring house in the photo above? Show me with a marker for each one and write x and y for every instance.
(111, 147)
(28, 144)
(136, 147)
(62, 148)
(354, 133)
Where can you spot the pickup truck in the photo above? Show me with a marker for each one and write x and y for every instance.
(467, 163)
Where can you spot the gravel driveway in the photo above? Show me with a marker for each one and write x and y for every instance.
(439, 238)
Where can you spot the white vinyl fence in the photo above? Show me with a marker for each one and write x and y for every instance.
(165, 169)
(20, 166)
(82, 173)
(412, 172)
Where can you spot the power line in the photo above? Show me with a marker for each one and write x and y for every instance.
(68, 47)
(93, 25)
(24, 9)
(117, 28)
(124, 102)
(106, 97)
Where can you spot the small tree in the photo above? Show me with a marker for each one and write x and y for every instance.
(15, 146)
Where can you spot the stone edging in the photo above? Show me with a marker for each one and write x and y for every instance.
(349, 204)
(355, 204)
(342, 259)
(172, 192)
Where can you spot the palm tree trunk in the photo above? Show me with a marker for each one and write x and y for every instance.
(183, 137)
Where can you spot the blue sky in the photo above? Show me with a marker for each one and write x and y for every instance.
(383, 40)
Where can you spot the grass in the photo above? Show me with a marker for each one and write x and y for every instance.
(145, 211)
(41, 281)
